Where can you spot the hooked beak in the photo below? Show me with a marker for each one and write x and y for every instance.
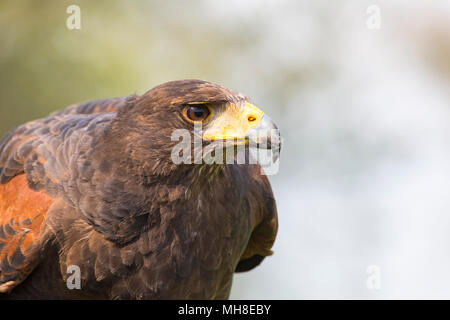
(246, 126)
(265, 136)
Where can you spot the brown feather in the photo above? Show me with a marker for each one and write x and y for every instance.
(94, 186)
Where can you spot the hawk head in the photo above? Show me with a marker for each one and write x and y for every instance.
(215, 118)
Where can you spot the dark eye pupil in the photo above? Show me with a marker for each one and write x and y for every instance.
(197, 113)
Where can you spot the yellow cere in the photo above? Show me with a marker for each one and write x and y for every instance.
(234, 123)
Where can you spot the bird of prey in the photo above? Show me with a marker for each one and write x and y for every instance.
(93, 192)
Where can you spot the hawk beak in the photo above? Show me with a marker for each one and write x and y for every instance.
(246, 126)
(265, 136)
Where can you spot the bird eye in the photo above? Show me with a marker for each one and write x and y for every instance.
(197, 112)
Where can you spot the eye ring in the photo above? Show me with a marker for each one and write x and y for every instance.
(197, 112)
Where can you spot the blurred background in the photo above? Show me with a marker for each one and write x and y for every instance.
(363, 105)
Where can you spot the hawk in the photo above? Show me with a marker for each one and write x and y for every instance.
(94, 189)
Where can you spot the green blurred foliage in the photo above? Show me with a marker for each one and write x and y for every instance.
(121, 49)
